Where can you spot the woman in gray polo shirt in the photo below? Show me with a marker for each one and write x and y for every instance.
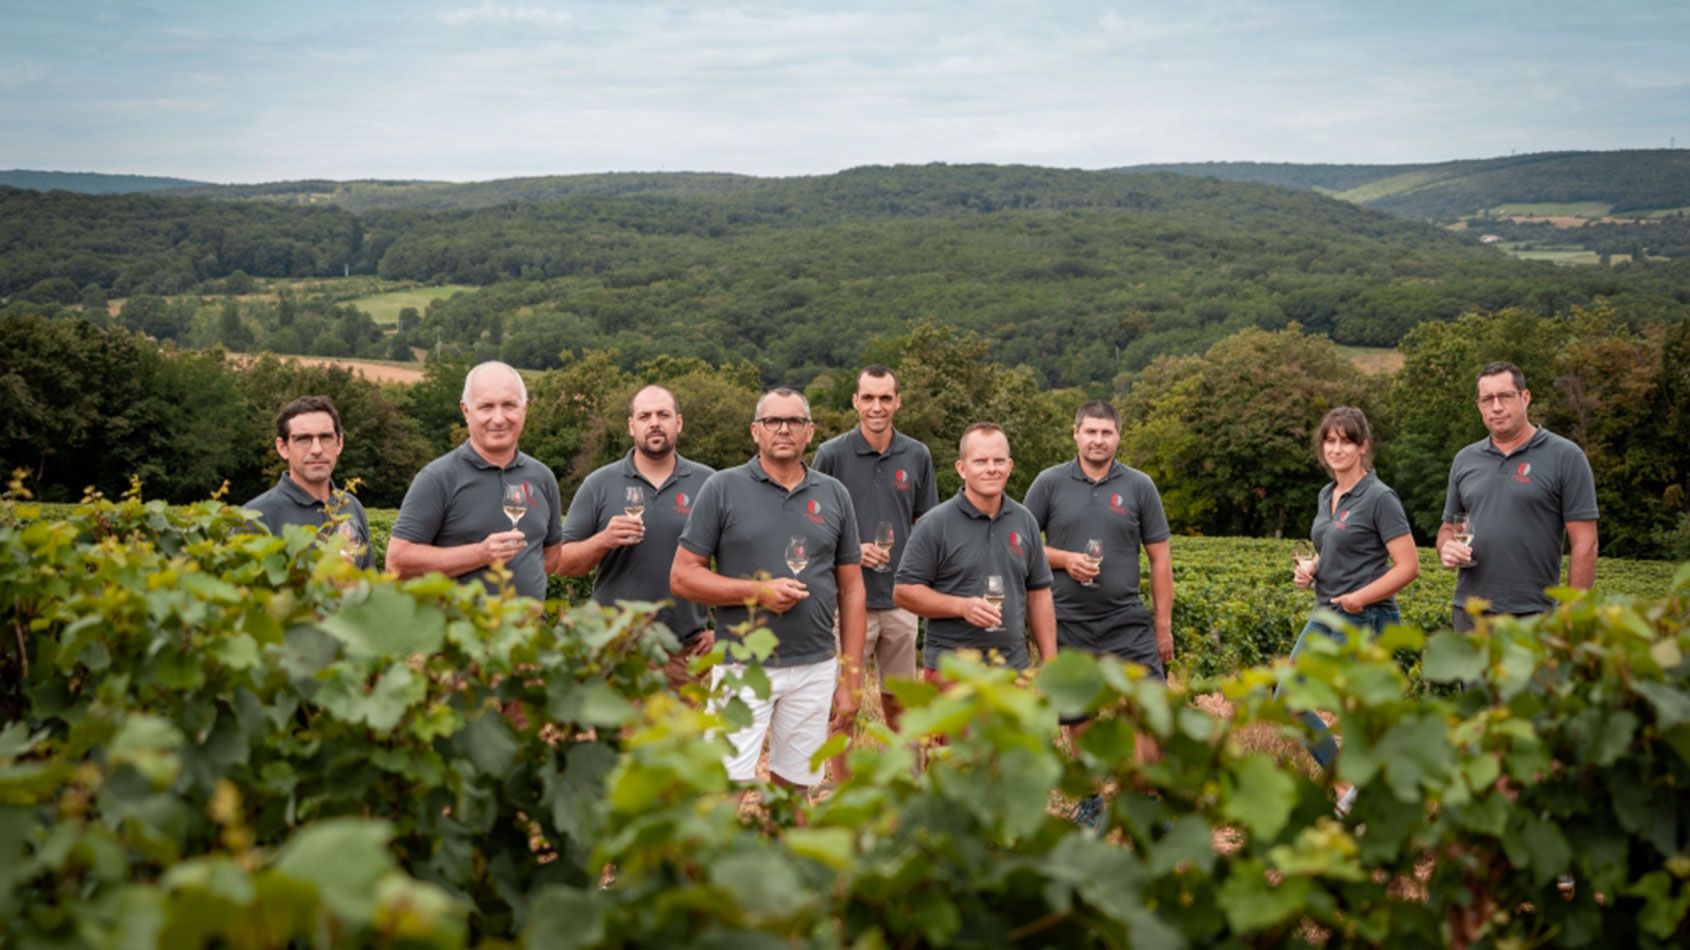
(1364, 551)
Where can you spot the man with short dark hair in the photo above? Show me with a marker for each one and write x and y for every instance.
(1525, 492)
(891, 480)
(979, 533)
(784, 538)
(309, 439)
(456, 517)
(1094, 497)
(626, 519)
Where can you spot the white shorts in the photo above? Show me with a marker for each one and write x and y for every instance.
(794, 716)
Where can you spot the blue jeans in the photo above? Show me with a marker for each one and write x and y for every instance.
(1374, 617)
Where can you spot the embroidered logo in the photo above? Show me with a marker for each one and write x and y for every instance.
(1015, 546)
(901, 480)
(1117, 504)
(1523, 473)
(683, 504)
(1343, 519)
(813, 511)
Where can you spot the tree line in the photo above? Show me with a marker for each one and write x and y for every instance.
(1225, 433)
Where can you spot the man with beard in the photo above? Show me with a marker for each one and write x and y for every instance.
(1523, 492)
(455, 517)
(309, 439)
(626, 520)
(784, 538)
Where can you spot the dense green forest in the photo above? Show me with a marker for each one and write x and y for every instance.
(1226, 432)
(1627, 181)
(1082, 276)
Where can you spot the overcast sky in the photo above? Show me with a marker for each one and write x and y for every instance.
(461, 90)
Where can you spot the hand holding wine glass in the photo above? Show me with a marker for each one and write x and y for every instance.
(515, 504)
(1093, 556)
(884, 539)
(994, 597)
(1463, 535)
(1303, 560)
(797, 554)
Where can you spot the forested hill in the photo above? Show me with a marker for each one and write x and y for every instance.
(1626, 182)
(1079, 275)
(90, 183)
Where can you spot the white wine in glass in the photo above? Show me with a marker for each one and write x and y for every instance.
(1463, 525)
(515, 503)
(797, 554)
(994, 595)
(1302, 554)
(884, 538)
(634, 502)
(1092, 555)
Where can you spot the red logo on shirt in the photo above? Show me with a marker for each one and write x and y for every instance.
(901, 480)
(1343, 519)
(1015, 546)
(683, 504)
(1117, 504)
(813, 511)
(528, 493)
(1523, 473)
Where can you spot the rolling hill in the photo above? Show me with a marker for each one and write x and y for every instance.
(91, 183)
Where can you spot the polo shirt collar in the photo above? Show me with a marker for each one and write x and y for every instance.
(859, 442)
(287, 486)
(1360, 489)
(973, 512)
(1077, 472)
(1537, 437)
(755, 467)
(467, 452)
(682, 467)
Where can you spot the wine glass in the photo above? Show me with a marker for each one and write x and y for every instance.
(515, 503)
(884, 538)
(1463, 525)
(1092, 555)
(1302, 554)
(633, 504)
(353, 546)
(797, 554)
(994, 595)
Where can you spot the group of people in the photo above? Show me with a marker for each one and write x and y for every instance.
(840, 556)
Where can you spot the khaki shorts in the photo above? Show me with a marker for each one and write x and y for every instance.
(890, 642)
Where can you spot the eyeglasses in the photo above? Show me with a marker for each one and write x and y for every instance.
(1499, 398)
(782, 422)
(302, 440)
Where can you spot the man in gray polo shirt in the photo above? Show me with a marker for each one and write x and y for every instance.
(453, 519)
(1095, 498)
(1526, 492)
(980, 532)
(891, 480)
(784, 537)
(633, 552)
(309, 439)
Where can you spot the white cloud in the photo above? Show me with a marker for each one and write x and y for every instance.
(503, 14)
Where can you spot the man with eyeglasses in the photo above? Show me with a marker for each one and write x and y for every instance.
(309, 440)
(784, 538)
(1527, 492)
(633, 552)
(485, 502)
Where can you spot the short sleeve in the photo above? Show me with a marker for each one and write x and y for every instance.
(582, 521)
(920, 564)
(422, 511)
(850, 547)
(1037, 501)
(1038, 566)
(927, 493)
(554, 523)
(704, 526)
(1578, 489)
(1152, 520)
(1452, 497)
(1389, 519)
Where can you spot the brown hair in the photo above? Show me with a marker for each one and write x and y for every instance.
(962, 443)
(1349, 422)
(301, 406)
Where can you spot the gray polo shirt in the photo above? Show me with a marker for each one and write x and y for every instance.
(1122, 509)
(459, 499)
(744, 519)
(1351, 541)
(641, 571)
(897, 485)
(289, 504)
(1520, 504)
(953, 549)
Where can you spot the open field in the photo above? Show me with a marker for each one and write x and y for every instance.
(384, 308)
(1565, 209)
(1374, 360)
(1565, 255)
(377, 371)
